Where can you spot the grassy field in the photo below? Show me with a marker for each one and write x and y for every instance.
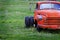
(12, 14)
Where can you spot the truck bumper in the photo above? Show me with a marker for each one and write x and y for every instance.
(49, 26)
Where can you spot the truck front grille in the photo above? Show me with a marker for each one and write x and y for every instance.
(52, 21)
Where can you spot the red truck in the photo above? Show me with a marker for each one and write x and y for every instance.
(46, 16)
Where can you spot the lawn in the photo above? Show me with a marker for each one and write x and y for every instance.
(12, 14)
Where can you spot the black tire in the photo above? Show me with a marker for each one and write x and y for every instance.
(31, 21)
(27, 22)
(39, 29)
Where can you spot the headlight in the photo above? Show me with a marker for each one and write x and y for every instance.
(40, 17)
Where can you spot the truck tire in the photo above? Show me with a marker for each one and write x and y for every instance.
(31, 21)
(27, 22)
(39, 29)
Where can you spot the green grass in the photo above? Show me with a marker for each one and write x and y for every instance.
(12, 14)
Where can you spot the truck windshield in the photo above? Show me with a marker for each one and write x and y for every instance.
(50, 6)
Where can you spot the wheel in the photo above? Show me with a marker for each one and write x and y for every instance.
(31, 21)
(27, 22)
(39, 29)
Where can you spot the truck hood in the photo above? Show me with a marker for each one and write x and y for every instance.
(50, 13)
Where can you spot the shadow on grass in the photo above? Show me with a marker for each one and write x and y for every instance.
(46, 30)
(51, 31)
